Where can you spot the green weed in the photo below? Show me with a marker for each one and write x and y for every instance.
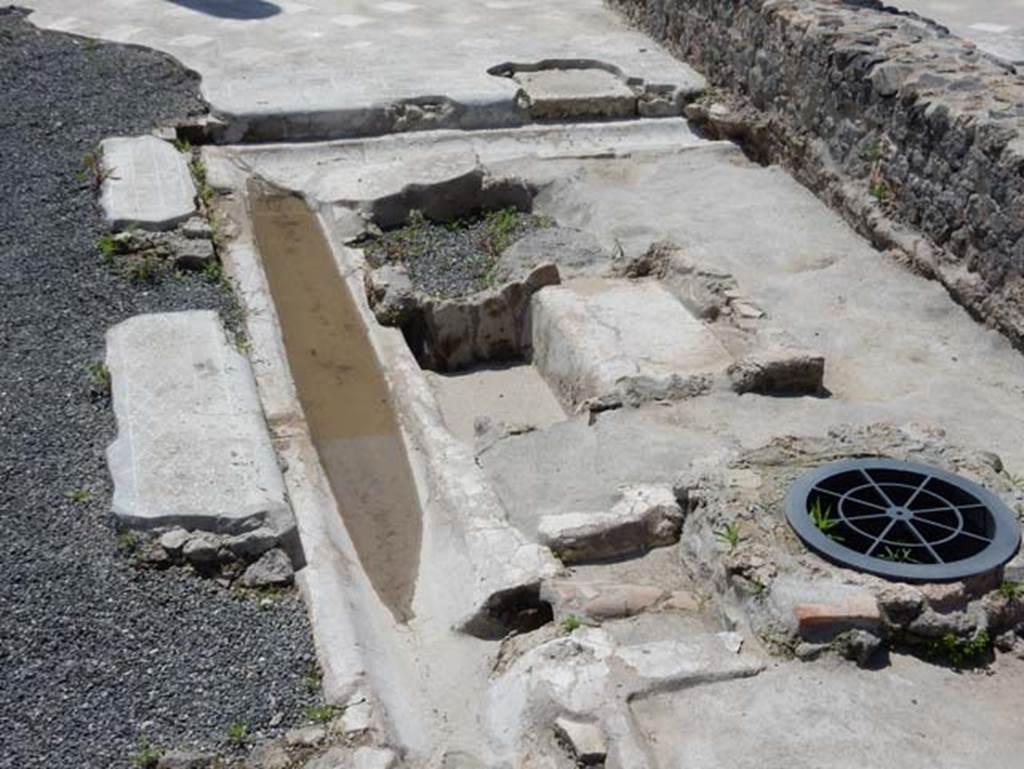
(823, 520)
(898, 555)
(1011, 590)
(81, 496)
(238, 733)
(321, 714)
(961, 653)
(729, 535)
(571, 623)
(146, 754)
(99, 378)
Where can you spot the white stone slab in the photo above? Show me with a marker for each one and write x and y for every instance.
(592, 337)
(148, 184)
(564, 93)
(192, 447)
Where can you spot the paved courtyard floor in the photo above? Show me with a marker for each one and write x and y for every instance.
(997, 26)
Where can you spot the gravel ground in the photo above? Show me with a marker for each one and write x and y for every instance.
(92, 651)
(453, 258)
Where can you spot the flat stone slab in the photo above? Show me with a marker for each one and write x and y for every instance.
(149, 185)
(563, 93)
(192, 447)
(595, 337)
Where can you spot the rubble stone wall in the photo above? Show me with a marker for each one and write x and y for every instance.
(914, 135)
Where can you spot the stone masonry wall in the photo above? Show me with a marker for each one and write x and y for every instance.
(913, 134)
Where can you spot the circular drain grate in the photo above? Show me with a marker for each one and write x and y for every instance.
(901, 520)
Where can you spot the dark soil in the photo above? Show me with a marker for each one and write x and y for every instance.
(94, 652)
(453, 258)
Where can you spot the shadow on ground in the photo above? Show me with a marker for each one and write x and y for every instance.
(245, 10)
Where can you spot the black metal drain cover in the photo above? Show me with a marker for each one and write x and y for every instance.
(902, 520)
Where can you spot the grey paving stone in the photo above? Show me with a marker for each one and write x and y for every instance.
(192, 448)
(148, 184)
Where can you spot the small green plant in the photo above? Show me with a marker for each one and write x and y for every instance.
(961, 653)
(99, 378)
(729, 535)
(871, 152)
(500, 225)
(127, 542)
(823, 520)
(144, 269)
(321, 714)
(313, 679)
(898, 555)
(93, 171)
(238, 733)
(880, 191)
(213, 272)
(198, 168)
(107, 247)
(571, 623)
(81, 496)
(146, 754)
(183, 145)
(1011, 590)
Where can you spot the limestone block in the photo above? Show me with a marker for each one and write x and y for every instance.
(644, 517)
(590, 92)
(595, 337)
(192, 447)
(147, 185)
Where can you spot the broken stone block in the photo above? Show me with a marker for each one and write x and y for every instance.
(147, 184)
(585, 740)
(192, 448)
(202, 549)
(778, 371)
(273, 569)
(305, 736)
(822, 610)
(374, 758)
(575, 252)
(595, 337)
(251, 544)
(173, 541)
(391, 295)
(600, 600)
(581, 92)
(644, 517)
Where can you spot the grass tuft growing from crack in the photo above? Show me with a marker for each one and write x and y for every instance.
(729, 535)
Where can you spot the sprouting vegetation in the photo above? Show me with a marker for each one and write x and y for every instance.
(81, 496)
(897, 555)
(146, 755)
(454, 257)
(729, 535)
(94, 172)
(98, 376)
(238, 733)
(571, 623)
(822, 518)
(959, 652)
(321, 714)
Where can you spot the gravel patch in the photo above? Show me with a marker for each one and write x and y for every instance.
(94, 651)
(453, 258)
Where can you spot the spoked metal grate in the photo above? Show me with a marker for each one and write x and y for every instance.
(901, 520)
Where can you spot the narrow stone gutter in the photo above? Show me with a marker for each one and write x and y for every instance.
(915, 136)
